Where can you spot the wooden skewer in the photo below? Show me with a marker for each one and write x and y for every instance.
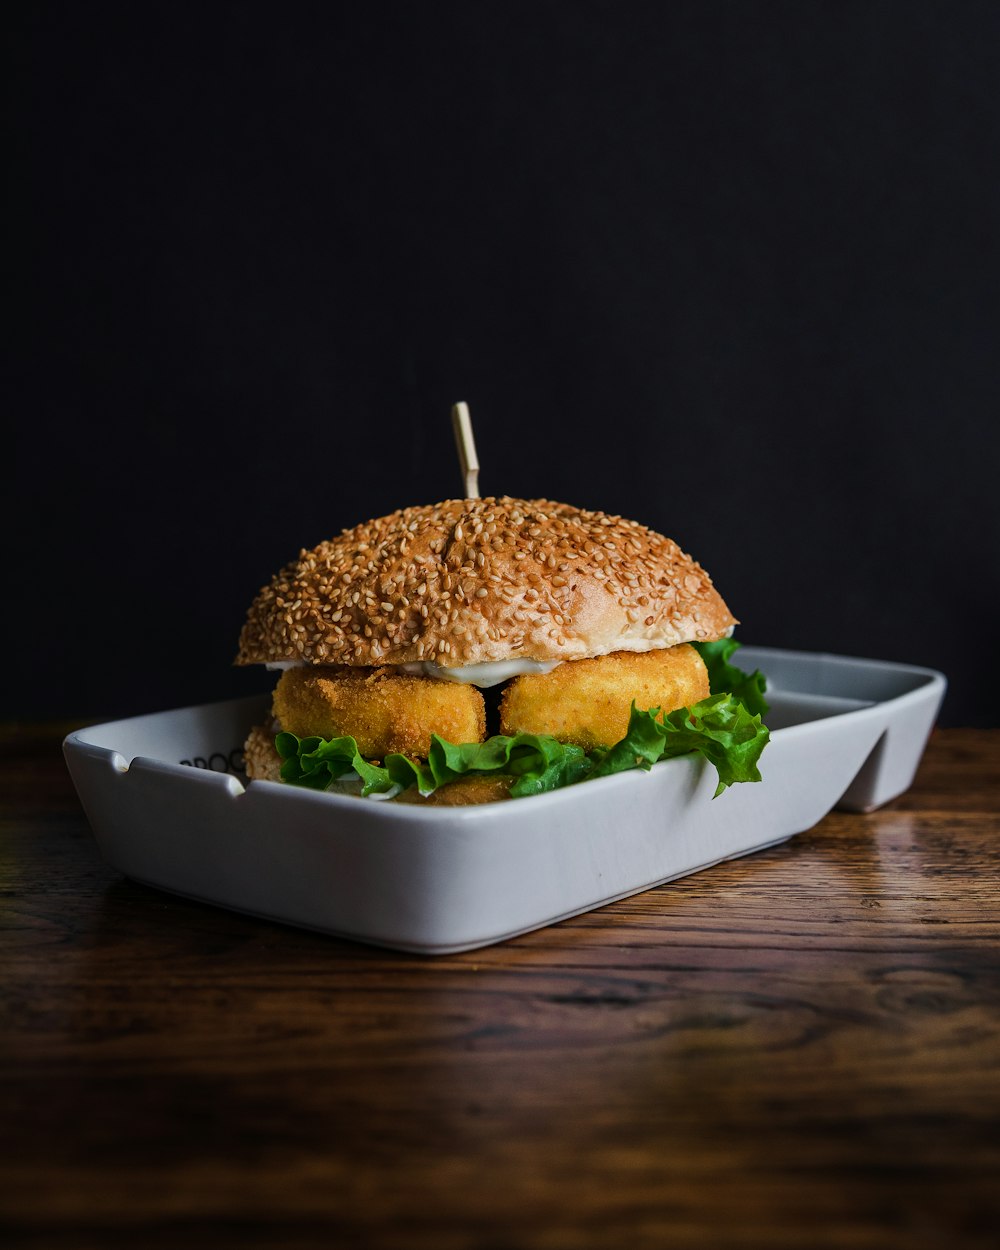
(466, 444)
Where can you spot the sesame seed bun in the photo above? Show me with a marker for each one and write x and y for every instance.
(472, 581)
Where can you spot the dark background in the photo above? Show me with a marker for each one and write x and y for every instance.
(729, 269)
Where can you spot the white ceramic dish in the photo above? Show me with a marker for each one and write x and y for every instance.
(168, 808)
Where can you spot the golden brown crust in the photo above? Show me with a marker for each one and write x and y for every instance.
(262, 761)
(588, 703)
(384, 712)
(461, 793)
(470, 581)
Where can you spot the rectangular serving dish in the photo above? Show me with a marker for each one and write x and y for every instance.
(164, 796)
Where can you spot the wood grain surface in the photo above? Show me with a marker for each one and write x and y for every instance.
(797, 1049)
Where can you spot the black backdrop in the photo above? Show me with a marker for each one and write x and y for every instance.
(730, 269)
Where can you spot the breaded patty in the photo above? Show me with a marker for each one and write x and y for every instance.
(382, 710)
(587, 702)
(463, 792)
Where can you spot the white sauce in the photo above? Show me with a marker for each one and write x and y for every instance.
(495, 672)
(485, 675)
(488, 674)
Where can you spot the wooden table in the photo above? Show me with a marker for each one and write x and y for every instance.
(798, 1049)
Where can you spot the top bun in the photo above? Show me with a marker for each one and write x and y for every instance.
(470, 581)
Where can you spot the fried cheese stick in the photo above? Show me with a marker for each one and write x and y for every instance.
(382, 710)
(588, 702)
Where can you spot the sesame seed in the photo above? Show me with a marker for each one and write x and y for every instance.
(480, 565)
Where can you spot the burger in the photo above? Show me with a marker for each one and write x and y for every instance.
(492, 648)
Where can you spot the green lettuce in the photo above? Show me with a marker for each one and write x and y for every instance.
(537, 762)
(726, 678)
(317, 762)
(721, 728)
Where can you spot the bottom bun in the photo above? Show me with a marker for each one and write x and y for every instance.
(260, 757)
